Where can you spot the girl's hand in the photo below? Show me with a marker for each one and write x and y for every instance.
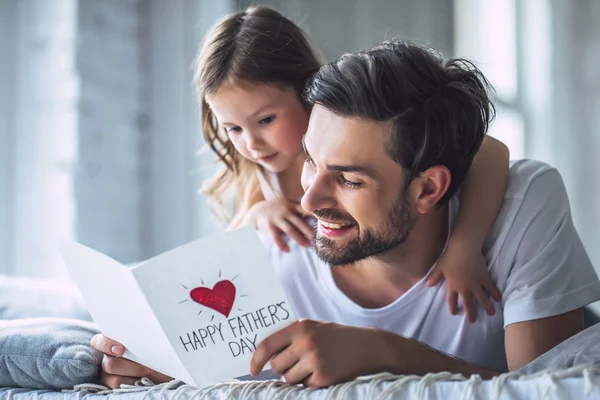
(279, 217)
(466, 274)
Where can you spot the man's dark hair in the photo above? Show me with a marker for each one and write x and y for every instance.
(440, 110)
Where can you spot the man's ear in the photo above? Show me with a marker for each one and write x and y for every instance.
(429, 187)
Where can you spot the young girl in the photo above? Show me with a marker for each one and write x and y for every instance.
(250, 75)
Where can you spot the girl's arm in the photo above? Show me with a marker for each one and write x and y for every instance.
(278, 217)
(244, 216)
(481, 196)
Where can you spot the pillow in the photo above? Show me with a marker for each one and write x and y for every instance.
(27, 297)
(47, 353)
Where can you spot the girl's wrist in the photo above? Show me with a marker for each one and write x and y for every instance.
(461, 239)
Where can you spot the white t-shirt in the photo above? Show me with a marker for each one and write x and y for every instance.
(534, 256)
(269, 185)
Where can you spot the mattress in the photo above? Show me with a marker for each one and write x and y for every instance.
(581, 382)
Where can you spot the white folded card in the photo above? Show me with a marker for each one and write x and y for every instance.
(195, 313)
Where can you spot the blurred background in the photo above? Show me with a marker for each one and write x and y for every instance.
(99, 127)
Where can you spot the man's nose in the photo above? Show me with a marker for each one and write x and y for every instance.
(319, 194)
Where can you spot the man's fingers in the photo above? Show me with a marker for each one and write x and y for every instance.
(124, 367)
(298, 373)
(284, 360)
(272, 345)
(485, 302)
(278, 238)
(115, 381)
(107, 345)
(452, 298)
(467, 300)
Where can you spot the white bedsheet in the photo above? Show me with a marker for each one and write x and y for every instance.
(575, 383)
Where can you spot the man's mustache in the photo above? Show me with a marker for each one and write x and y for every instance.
(333, 215)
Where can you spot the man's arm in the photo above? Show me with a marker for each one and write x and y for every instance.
(550, 278)
(321, 354)
(526, 341)
(408, 356)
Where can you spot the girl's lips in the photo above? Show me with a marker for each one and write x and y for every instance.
(267, 158)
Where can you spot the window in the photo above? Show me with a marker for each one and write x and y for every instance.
(41, 138)
(486, 33)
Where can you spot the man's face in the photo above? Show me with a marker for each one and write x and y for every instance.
(354, 189)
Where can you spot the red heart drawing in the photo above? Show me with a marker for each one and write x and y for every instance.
(220, 298)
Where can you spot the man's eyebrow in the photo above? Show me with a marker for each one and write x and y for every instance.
(358, 169)
(345, 168)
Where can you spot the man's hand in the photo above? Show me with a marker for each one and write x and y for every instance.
(117, 370)
(319, 354)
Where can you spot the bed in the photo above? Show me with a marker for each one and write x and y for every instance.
(569, 371)
(581, 382)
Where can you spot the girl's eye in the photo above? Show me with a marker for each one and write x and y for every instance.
(351, 184)
(267, 120)
(233, 129)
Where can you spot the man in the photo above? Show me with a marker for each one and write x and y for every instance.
(392, 134)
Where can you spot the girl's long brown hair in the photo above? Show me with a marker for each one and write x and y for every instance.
(258, 45)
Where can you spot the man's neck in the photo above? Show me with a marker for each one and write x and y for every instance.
(379, 281)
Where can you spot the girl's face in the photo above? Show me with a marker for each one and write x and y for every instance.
(264, 122)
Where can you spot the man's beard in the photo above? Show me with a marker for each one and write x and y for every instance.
(369, 242)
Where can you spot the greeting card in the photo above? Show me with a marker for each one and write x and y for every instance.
(196, 313)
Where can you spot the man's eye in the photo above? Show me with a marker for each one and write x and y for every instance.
(309, 161)
(348, 183)
(267, 120)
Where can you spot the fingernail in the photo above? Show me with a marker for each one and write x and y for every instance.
(117, 350)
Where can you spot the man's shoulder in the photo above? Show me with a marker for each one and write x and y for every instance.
(534, 188)
(525, 174)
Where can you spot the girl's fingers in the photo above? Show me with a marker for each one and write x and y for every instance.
(491, 288)
(278, 238)
(435, 277)
(303, 226)
(485, 302)
(452, 298)
(288, 228)
(298, 208)
(467, 300)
